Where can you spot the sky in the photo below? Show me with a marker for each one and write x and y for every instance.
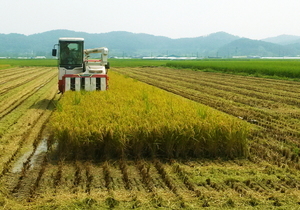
(254, 19)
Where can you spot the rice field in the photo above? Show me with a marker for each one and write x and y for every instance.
(134, 119)
(36, 172)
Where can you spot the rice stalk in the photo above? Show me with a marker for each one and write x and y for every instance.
(139, 120)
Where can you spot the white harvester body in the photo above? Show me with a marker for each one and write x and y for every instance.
(76, 71)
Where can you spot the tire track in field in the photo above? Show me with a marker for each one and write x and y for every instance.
(57, 179)
(35, 186)
(35, 131)
(23, 139)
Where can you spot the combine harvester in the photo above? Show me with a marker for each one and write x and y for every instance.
(76, 71)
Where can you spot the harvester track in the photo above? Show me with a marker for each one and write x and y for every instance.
(33, 134)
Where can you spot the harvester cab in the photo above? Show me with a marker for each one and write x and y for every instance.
(76, 70)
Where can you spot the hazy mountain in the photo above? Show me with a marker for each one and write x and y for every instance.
(250, 47)
(283, 39)
(121, 43)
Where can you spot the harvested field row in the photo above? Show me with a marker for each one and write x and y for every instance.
(9, 74)
(18, 93)
(21, 124)
(257, 91)
(246, 82)
(21, 80)
(156, 184)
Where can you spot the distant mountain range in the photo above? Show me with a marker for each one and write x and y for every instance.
(121, 43)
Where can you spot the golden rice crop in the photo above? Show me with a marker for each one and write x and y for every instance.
(138, 120)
